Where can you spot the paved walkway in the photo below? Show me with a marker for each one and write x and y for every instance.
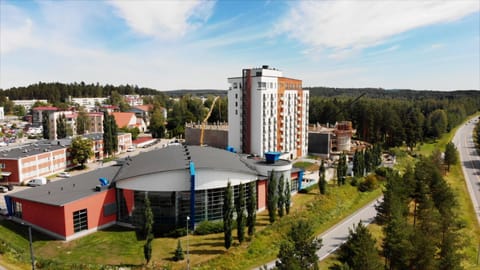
(333, 238)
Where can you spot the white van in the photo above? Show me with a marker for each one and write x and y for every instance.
(37, 182)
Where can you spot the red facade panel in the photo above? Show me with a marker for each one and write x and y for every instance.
(46, 216)
(262, 194)
(94, 205)
(11, 166)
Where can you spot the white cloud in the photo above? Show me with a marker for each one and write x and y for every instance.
(345, 25)
(164, 19)
(15, 29)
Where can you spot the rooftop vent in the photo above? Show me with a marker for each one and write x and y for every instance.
(272, 157)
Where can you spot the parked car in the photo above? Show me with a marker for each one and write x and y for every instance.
(131, 148)
(3, 189)
(8, 186)
(37, 182)
(64, 175)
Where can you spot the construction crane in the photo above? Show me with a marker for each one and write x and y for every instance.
(204, 122)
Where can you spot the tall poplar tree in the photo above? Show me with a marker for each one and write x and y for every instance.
(281, 197)
(61, 127)
(110, 140)
(83, 122)
(272, 198)
(240, 207)
(45, 125)
(148, 229)
(228, 215)
(252, 208)
(322, 183)
(287, 197)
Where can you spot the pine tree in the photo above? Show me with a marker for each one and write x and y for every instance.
(251, 208)
(272, 198)
(298, 251)
(287, 197)
(281, 197)
(322, 183)
(240, 207)
(359, 250)
(228, 215)
(178, 252)
(451, 155)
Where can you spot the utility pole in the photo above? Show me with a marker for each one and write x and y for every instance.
(32, 257)
(188, 251)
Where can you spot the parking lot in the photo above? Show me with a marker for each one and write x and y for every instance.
(15, 189)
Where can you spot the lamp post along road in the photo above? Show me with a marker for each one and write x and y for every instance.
(188, 251)
(31, 246)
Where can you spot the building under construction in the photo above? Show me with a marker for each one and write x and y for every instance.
(215, 135)
(326, 140)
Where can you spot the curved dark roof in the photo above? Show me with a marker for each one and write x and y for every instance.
(165, 159)
(178, 157)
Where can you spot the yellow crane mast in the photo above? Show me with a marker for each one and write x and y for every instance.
(204, 122)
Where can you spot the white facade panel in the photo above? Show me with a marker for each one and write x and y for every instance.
(265, 115)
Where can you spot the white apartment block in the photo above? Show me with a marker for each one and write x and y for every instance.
(88, 103)
(27, 104)
(267, 112)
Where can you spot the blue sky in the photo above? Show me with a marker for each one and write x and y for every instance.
(167, 45)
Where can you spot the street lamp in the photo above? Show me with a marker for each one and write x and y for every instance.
(32, 257)
(188, 252)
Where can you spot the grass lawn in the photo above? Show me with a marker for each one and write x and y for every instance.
(306, 166)
(471, 231)
(320, 211)
(117, 246)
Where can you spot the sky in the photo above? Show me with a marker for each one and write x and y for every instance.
(168, 45)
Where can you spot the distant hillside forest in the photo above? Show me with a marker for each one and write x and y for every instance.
(393, 117)
(390, 117)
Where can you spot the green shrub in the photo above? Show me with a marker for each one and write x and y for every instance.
(209, 227)
(370, 183)
(383, 171)
(354, 181)
(176, 233)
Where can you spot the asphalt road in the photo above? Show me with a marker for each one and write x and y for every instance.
(470, 160)
(337, 235)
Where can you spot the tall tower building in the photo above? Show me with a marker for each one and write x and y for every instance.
(267, 112)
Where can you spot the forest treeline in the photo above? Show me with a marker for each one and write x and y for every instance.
(393, 120)
(390, 117)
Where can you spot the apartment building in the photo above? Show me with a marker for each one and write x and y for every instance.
(95, 122)
(24, 163)
(88, 103)
(267, 112)
(28, 103)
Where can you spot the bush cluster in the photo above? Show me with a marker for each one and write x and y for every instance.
(370, 183)
(209, 227)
